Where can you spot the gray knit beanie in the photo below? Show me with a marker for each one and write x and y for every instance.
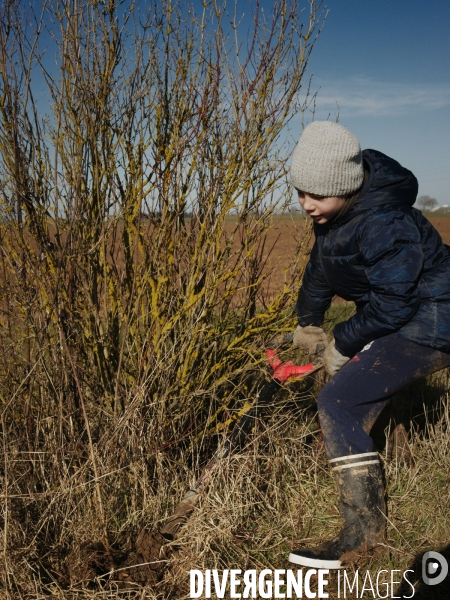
(327, 160)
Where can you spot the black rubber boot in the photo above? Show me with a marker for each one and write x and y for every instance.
(363, 510)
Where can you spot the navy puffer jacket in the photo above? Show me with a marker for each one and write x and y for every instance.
(387, 258)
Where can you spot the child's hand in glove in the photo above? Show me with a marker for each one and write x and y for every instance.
(333, 360)
(310, 338)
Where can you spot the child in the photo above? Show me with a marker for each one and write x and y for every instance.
(374, 249)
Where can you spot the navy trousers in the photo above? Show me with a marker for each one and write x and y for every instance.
(352, 400)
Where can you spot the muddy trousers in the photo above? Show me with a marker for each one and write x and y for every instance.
(352, 400)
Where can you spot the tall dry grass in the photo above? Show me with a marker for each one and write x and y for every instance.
(279, 494)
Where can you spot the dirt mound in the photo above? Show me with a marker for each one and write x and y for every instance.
(91, 564)
(147, 564)
(86, 563)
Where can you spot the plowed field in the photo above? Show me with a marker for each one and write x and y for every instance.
(281, 244)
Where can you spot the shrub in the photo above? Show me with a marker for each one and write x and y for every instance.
(135, 207)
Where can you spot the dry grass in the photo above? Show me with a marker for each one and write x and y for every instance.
(276, 494)
(279, 493)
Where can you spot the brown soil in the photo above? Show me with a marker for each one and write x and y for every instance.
(85, 563)
(281, 241)
(398, 447)
(442, 224)
(90, 564)
(146, 565)
(280, 248)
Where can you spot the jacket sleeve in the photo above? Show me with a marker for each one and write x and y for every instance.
(393, 259)
(315, 294)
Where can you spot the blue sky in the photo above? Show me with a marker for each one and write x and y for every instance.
(386, 63)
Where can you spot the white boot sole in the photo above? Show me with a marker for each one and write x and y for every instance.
(314, 563)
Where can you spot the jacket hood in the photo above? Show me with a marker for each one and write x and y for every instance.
(389, 183)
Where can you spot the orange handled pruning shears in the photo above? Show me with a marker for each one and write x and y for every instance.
(282, 371)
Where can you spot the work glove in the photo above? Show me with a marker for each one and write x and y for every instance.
(333, 360)
(280, 339)
(310, 338)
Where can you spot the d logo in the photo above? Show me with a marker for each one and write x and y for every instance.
(434, 568)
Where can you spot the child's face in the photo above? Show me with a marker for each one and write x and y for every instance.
(321, 208)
